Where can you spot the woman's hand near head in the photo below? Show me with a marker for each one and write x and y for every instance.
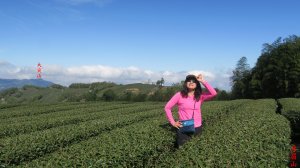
(200, 78)
(177, 124)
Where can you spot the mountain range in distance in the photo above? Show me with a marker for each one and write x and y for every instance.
(18, 83)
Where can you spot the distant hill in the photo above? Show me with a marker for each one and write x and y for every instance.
(16, 83)
(40, 91)
(30, 91)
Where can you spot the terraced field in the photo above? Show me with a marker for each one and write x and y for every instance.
(239, 133)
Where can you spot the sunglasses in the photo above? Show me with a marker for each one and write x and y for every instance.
(191, 81)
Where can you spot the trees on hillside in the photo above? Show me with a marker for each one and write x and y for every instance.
(240, 79)
(160, 82)
(109, 95)
(275, 75)
(278, 68)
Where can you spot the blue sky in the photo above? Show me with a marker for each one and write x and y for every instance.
(154, 38)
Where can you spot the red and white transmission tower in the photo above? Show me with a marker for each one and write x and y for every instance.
(39, 71)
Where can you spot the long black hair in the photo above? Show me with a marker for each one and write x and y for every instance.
(198, 90)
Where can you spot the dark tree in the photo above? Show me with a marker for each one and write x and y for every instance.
(240, 79)
(275, 75)
(109, 95)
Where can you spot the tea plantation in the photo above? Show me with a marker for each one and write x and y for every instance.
(238, 133)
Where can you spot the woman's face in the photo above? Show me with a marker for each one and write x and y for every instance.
(191, 84)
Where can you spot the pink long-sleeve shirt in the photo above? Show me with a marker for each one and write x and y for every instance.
(186, 106)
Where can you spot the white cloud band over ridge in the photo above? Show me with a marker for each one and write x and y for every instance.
(99, 73)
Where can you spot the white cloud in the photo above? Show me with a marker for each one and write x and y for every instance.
(8, 70)
(208, 75)
(98, 73)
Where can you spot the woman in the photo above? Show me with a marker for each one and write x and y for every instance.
(191, 96)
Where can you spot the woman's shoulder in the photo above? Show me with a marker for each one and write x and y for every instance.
(177, 94)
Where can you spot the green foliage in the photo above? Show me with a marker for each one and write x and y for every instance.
(291, 110)
(71, 115)
(57, 86)
(247, 135)
(79, 85)
(101, 85)
(240, 79)
(71, 97)
(90, 96)
(27, 87)
(98, 91)
(164, 94)
(37, 98)
(141, 97)
(127, 96)
(37, 144)
(9, 92)
(222, 95)
(109, 95)
(160, 82)
(240, 133)
(134, 97)
(275, 75)
(94, 86)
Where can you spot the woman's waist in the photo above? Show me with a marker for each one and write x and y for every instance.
(188, 117)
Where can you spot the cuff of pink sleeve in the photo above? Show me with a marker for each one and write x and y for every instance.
(204, 83)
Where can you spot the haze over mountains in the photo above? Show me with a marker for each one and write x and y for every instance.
(10, 83)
